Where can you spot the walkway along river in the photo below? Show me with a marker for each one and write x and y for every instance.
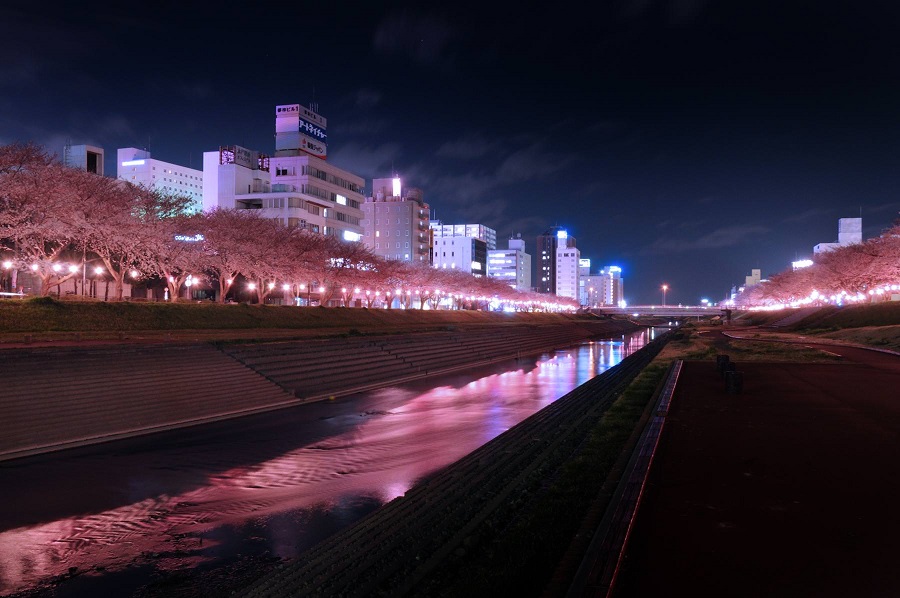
(110, 518)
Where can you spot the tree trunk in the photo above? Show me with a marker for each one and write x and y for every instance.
(119, 279)
(173, 290)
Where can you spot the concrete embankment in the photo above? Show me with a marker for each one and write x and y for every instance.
(463, 515)
(54, 398)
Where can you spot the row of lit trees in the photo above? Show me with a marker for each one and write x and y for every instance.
(53, 218)
(866, 271)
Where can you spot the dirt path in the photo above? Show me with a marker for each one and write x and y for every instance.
(785, 490)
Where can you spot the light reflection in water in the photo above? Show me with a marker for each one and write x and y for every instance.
(366, 450)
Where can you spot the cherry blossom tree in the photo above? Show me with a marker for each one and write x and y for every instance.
(36, 212)
(228, 234)
(115, 221)
(171, 247)
(346, 267)
(271, 257)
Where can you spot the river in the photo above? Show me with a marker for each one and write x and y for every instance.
(107, 519)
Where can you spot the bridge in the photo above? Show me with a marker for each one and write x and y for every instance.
(666, 311)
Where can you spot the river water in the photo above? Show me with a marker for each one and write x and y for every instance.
(114, 516)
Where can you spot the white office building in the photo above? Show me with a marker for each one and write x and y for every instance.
(466, 254)
(476, 231)
(396, 221)
(462, 247)
(295, 187)
(88, 158)
(605, 288)
(567, 264)
(136, 166)
(512, 265)
(849, 233)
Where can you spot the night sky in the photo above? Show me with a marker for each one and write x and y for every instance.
(685, 141)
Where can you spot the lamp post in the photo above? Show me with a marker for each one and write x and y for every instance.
(98, 275)
(665, 288)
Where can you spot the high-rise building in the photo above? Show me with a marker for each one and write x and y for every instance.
(462, 247)
(568, 259)
(512, 265)
(296, 186)
(233, 172)
(849, 233)
(88, 158)
(604, 288)
(466, 254)
(136, 166)
(395, 222)
(476, 231)
(546, 256)
(298, 128)
(754, 278)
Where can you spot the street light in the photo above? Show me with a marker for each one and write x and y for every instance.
(665, 288)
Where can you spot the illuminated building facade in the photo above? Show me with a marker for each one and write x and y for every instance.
(512, 265)
(849, 233)
(466, 254)
(547, 245)
(462, 247)
(136, 166)
(297, 186)
(395, 222)
(476, 231)
(568, 258)
(606, 288)
(88, 158)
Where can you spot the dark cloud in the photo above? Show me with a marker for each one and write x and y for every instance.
(368, 161)
(470, 147)
(422, 38)
(807, 215)
(196, 91)
(892, 206)
(365, 128)
(367, 98)
(532, 162)
(729, 236)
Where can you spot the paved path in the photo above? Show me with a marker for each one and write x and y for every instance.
(786, 490)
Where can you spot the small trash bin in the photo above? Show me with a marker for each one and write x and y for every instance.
(721, 363)
(734, 382)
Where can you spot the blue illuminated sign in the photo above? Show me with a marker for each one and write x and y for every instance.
(313, 130)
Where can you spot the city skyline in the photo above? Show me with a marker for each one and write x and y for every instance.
(686, 142)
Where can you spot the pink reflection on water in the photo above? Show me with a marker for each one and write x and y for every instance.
(379, 454)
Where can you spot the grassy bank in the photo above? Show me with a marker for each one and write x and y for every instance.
(45, 316)
(875, 325)
(525, 556)
(831, 318)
